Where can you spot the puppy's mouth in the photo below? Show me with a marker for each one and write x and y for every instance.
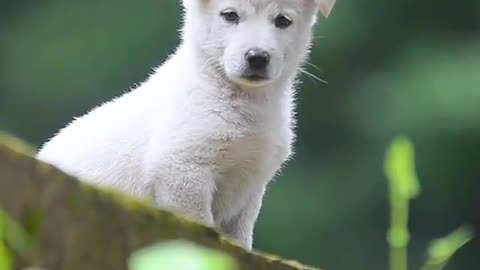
(250, 78)
(255, 75)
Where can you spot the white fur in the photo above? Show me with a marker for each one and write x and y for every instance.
(326, 6)
(195, 137)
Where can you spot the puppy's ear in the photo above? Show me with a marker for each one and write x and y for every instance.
(188, 3)
(325, 6)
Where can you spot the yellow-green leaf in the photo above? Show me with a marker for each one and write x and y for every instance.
(443, 249)
(180, 255)
(400, 169)
(6, 260)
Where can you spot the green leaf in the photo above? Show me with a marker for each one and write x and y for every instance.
(404, 185)
(6, 262)
(13, 235)
(443, 249)
(6, 259)
(180, 255)
(12, 238)
(400, 169)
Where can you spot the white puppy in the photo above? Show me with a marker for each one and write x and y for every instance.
(207, 132)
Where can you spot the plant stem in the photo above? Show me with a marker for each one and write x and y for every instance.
(398, 234)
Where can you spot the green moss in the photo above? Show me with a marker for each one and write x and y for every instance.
(15, 144)
(33, 221)
(141, 205)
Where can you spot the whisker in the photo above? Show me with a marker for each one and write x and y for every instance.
(318, 37)
(312, 76)
(313, 66)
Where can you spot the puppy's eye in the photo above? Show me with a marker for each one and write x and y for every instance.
(230, 16)
(282, 21)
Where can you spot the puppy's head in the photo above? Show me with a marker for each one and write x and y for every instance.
(253, 42)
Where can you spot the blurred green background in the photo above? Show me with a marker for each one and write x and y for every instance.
(394, 67)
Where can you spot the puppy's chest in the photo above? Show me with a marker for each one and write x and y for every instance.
(242, 136)
(247, 161)
(254, 145)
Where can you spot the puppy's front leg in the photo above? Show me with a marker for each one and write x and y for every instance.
(186, 189)
(241, 227)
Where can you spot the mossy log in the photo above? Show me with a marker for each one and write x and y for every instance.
(76, 226)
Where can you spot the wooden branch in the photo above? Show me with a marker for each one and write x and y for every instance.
(76, 226)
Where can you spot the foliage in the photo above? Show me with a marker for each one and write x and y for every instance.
(12, 239)
(404, 186)
(441, 250)
(180, 256)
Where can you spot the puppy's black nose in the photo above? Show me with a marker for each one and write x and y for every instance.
(257, 59)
